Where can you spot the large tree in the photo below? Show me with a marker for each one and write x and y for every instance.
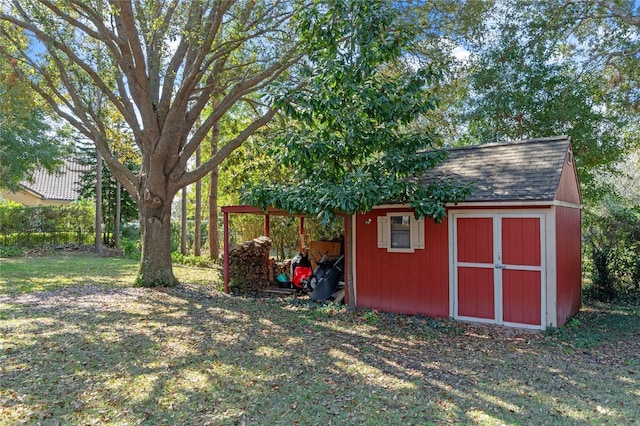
(518, 93)
(604, 34)
(530, 80)
(158, 64)
(349, 143)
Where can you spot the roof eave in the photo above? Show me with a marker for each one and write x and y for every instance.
(495, 204)
(516, 203)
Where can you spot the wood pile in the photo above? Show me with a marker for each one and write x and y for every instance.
(278, 268)
(248, 265)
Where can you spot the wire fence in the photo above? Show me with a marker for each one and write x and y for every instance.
(30, 226)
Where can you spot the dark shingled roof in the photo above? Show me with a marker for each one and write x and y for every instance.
(527, 170)
(58, 186)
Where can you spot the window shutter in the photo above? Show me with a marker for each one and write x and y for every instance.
(383, 232)
(417, 233)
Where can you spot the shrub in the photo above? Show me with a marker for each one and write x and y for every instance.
(371, 317)
(612, 250)
(602, 280)
(131, 248)
(130, 230)
(190, 260)
(30, 226)
(11, 251)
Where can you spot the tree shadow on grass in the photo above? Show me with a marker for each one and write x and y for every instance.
(192, 356)
(26, 275)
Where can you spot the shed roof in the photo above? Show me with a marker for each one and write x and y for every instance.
(59, 186)
(526, 170)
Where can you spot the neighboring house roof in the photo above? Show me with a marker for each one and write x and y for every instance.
(527, 170)
(62, 185)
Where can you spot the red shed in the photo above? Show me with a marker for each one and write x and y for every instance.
(509, 255)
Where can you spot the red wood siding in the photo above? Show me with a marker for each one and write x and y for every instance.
(475, 282)
(418, 283)
(569, 267)
(568, 188)
(521, 297)
(521, 241)
(516, 275)
(521, 289)
(411, 283)
(475, 240)
(476, 292)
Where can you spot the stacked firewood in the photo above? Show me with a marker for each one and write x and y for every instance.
(278, 268)
(248, 265)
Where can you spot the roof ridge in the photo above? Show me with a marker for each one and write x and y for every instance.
(509, 143)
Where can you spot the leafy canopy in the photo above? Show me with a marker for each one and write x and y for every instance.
(348, 143)
(603, 35)
(27, 140)
(523, 85)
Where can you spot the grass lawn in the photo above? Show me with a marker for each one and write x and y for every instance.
(78, 345)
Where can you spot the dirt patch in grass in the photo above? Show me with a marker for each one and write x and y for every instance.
(92, 354)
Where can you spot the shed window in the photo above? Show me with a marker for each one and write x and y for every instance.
(400, 232)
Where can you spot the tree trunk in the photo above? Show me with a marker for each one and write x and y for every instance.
(155, 266)
(183, 230)
(197, 239)
(116, 222)
(98, 221)
(214, 245)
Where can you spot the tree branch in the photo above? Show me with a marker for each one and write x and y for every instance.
(139, 84)
(618, 12)
(225, 151)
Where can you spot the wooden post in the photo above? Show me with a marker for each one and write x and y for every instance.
(301, 232)
(348, 262)
(267, 228)
(226, 251)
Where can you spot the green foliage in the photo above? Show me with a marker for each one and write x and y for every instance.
(131, 248)
(27, 139)
(252, 163)
(523, 87)
(190, 260)
(449, 31)
(27, 144)
(130, 230)
(347, 144)
(371, 317)
(11, 251)
(603, 283)
(604, 37)
(27, 226)
(612, 236)
(176, 233)
(87, 190)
